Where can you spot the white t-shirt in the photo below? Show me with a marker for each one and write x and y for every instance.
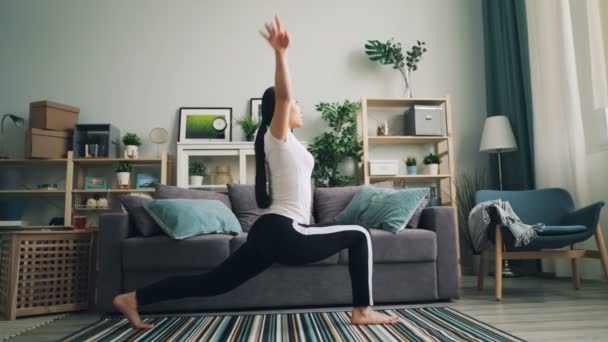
(290, 169)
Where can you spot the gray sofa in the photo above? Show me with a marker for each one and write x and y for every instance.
(418, 264)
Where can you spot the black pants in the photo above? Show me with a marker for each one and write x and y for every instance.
(275, 238)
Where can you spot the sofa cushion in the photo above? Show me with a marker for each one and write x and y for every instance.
(409, 245)
(140, 219)
(328, 202)
(245, 207)
(240, 239)
(163, 253)
(415, 219)
(171, 192)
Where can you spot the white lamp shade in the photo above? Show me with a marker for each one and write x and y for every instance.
(497, 135)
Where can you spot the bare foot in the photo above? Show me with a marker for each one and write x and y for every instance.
(127, 304)
(365, 315)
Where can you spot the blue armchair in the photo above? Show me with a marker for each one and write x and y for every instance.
(565, 226)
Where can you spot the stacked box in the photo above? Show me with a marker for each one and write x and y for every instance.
(51, 128)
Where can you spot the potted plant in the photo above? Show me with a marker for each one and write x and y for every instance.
(197, 171)
(410, 163)
(131, 142)
(432, 162)
(391, 53)
(123, 174)
(334, 149)
(249, 126)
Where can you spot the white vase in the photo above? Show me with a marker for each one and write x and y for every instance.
(196, 180)
(123, 179)
(432, 169)
(131, 151)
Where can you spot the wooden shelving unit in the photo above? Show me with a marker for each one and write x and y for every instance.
(442, 145)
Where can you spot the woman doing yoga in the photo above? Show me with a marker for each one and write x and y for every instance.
(282, 234)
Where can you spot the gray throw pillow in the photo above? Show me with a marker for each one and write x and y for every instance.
(139, 217)
(329, 202)
(244, 205)
(174, 192)
(415, 219)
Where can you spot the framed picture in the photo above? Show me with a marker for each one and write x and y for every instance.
(255, 108)
(95, 183)
(146, 180)
(205, 124)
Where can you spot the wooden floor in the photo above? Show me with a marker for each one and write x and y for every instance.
(535, 309)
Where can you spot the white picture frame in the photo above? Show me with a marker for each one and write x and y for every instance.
(205, 124)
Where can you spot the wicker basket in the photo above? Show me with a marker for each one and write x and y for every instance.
(46, 272)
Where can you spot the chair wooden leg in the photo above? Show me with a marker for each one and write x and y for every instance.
(576, 277)
(498, 268)
(482, 264)
(601, 247)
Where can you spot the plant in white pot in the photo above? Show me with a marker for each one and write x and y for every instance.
(197, 172)
(432, 162)
(123, 174)
(131, 142)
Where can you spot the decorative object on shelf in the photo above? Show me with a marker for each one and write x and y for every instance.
(102, 202)
(91, 149)
(108, 138)
(383, 167)
(411, 165)
(123, 174)
(205, 124)
(196, 173)
(47, 186)
(249, 126)
(95, 183)
(391, 53)
(18, 122)
(146, 180)
(255, 108)
(80, 222)
(434, 199)
(382, 129)
(424, 120)
(432, 162)
(497, 137)
(158, 136)
(131, 141)
(222, 175)
(91, 203)
(339, 144)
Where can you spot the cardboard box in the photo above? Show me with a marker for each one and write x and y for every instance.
(53, 115)
(46, 144)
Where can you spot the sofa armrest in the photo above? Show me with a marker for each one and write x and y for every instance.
(113, 229)
(442, 221)
(588, 216)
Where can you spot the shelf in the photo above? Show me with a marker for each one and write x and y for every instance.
(402, 139)
(2, 228)
(31, 161)
(112, 190)
(92, 209)
(33, 191)
(410, 177)
(207, 186)
(102, 161)
(402, 102)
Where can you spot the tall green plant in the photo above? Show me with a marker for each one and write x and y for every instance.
(467, 184)
(340, 143)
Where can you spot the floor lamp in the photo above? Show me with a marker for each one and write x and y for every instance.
(497, 137)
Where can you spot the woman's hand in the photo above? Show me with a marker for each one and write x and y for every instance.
(276, 37)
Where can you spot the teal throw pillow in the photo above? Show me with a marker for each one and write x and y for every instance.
(182, 218)
(387, 209)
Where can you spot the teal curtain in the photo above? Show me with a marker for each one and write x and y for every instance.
(509, 92)
(508, 88)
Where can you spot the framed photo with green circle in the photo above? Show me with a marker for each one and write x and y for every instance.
(205, 124)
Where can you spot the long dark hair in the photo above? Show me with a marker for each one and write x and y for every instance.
(262, 184)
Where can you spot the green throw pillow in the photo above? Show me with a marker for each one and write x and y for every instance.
(387, 209)
(182, 218)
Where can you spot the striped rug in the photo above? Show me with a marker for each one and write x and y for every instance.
(418, 324)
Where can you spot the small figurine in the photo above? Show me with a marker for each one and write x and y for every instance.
(91, 203)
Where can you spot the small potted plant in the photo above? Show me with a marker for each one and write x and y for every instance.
(432, 162)
(411, 162)
(131, 141)
(197, 172)
(123, 174)
(249, 126)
